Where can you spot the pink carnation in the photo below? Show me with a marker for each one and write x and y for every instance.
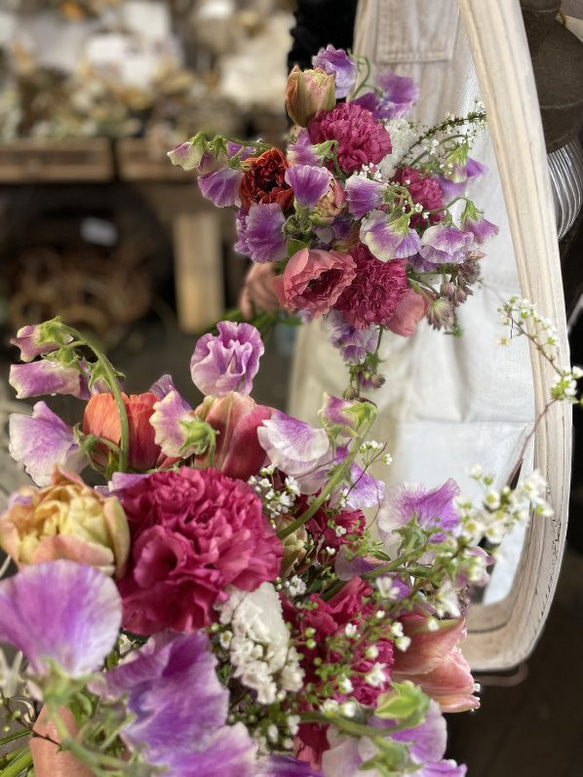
(361, 140)
(313, 280)
(374, 295)
(194, 532)
(424, 191)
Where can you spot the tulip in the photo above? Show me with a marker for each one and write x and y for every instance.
(67, 520)
(309, 91)
(408, 313)
(236, 419)
(48, 761)
(435, 663)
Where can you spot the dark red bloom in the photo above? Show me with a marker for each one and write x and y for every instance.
(353, 522)
(375, 293)
(264, 180)
(425, 191)
(361, 139)
(194, 532)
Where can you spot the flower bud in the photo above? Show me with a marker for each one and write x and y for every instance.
(309, 91)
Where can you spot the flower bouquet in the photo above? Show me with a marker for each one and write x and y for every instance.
(365, 217)
(210, 600)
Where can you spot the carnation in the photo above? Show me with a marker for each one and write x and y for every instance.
(361, 140)
(194, 533)
(375, 293)
(425, 191)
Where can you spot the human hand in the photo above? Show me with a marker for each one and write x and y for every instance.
(258, 293)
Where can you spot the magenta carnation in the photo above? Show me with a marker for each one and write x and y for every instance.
(361, 140)
(194, 532)
(425, 191)
(375, 293)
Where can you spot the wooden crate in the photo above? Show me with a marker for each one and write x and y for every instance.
(138, 160)
(56, 161)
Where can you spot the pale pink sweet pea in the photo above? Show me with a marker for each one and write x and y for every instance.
(313, 280)
(32, 342)
(294, 446)
(45, 377)
(409, 312)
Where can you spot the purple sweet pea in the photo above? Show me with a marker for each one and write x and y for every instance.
(451, 190)
(482, 229)
(284, 766)
(293, 446)
(222, 187)
(356, 566)
(29, 340)
(387, 239)
(163, 386)
(364, 195)
(160, 684)
(260, 233)
(309, 183)
(42, 441)
(170, 420)
(354, 344)
(435, 508)
(400, 92)
(445, 245)
(337, 63)
(188, 155)
(336, 412)
(45, 377)
(228, 361)
(362, 490)
(303, 151)
(61, 611)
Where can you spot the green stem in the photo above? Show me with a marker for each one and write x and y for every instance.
(19, 764)
(331, 487)
(14, 737)
(364, 81)
(111, 379)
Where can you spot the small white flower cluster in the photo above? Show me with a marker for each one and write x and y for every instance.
(404, 135)
(276, 502)
(564, 386)
(501, 511)
(386, 588)
(520, 314)
(258, 643)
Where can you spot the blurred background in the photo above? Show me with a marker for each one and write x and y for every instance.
(98, 227)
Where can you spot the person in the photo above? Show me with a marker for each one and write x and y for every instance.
(448, 402)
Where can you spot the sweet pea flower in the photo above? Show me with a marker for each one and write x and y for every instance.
(354, 344)
(388, 239)
(188, 155)
(236, 420)
(293, 446)
(313, 280)
(400, 91)
(36, 340)
(42, 441)
(177, 431)
(451, 190)
(339, 64)
(408, 313)
(228, 361)
(260, 233)
(435, 663)
(474, 222)
(307, 92)
(60, 611)
(445, 245)
(302, 151)
(433, 509)
(46, 377)
(309, 183)
(222, 187)
(66, 520)
(364, 195)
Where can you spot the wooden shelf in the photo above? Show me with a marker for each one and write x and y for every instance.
(56, 161)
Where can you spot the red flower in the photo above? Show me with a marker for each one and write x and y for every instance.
(313, 280)
(374, 295)
(194, 532)
(424, 191)
(361, 140)
(264, 181)
(102, 419)
(353, 522)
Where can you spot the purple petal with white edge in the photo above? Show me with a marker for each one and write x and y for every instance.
(401, 91)
(450, 189)
(482, 229)
(364, 195)
(435, 508)
(389, 240)
(364, 490)
(355, 567)
(303, 152)
(293, 446)
(337, 63)
(169, 420)
(163, 386)
(309, 183)
(354, 344)
(230, 748)
(445, 245)
(42, 441)
(261, 233)
(228, 361)
(284, 766)
(445, 768)
(334, 412)
(61, 611)
(222, 187)
(476, 169)
(428, 741)
(28, 341)
(45, 377)
(120, 481)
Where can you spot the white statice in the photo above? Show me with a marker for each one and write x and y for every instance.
(260, 647)
(403, 136)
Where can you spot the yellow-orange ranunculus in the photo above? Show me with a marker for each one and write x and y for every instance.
(66, 520)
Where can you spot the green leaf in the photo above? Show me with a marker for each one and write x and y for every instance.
(405, 704)
(293, 246)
